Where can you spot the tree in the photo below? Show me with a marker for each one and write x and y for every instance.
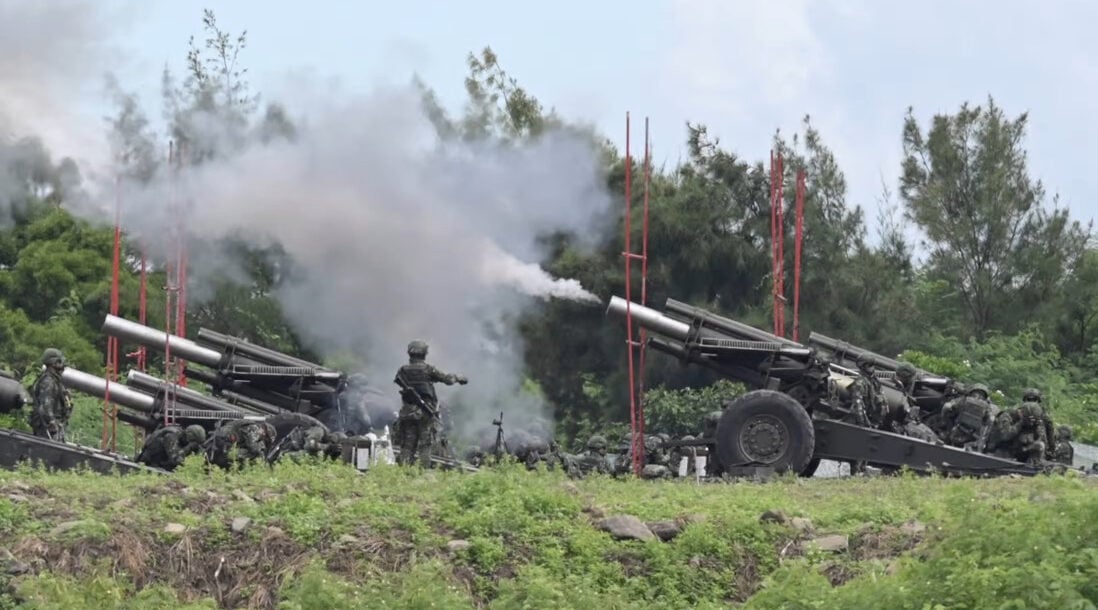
(1078, 306)
(966, 185)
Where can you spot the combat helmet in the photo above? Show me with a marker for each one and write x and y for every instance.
(417, 349)
(1031, 395)
(596, 442)
(195, 433)
(906, 370)
(52, 355)
(1063, 432)
(978, 388)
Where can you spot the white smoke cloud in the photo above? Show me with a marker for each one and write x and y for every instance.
(397, 236)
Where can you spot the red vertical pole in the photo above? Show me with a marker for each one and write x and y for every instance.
(774, 238)
(644, 280)
(797, 256)
(181, 271)
(141, 311)
(780, 210)
(628, 254)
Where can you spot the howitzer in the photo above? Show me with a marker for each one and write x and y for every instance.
(147, 411)
(243, 371)
(12, 394)
(794, 415)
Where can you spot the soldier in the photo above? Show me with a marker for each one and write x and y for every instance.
(656, 459)
(1034, 395)
(303, 441)
(1019, 434)
(967, 422)
(417, 430)
(906, 418)
(170, 445)
(595, 458)
(52, 401)
(1062, 450)
(245, 439)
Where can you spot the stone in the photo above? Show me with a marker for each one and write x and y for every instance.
(626, 527)
(243, 497)
(802, 524)
(274, 531)
(19, 486)
(665, 530)
(240, 525)
(175, 528)
(18, 498)
(835, 543)
(456, 546)
(774, 516)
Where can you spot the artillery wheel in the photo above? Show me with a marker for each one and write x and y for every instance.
(766, 428)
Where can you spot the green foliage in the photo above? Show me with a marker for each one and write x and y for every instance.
(681, 412)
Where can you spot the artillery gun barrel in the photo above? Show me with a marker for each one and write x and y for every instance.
(650, 319)
(183, 395)
(853, 352)
(725, 325)
(266, 402)
(150, 337)
(12, 394)
(98, 387)
(255, 352)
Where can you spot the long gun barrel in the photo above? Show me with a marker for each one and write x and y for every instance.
(251, 375)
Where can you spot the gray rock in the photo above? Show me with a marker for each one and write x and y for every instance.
(243, 497)
(835, 543)
(175, 528)
(626, 527)
(665, 530)
(801, 524)
(18, 498)
(240, 525)
(456, 546)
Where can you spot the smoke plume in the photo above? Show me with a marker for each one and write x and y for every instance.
(396, 235)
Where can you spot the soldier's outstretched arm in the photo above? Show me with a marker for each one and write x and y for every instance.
(438, 376)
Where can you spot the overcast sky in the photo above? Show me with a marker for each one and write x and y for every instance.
(744, 69)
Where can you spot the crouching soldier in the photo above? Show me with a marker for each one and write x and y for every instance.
(170, 445)
(242, 441)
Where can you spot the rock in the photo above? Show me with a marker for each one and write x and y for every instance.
(240, 525)
(456, 546)
(913, 528)
(274, 531)
(267, 495)
(626, 527)
(175, 528)
(665, 530)
(18, 498)
(801, 524)
(774, 516)
(19, 486)
(243, 497)
(835, 543)
(66, 527)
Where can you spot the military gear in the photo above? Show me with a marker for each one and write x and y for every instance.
(1031, 395)
(967, 422)
(170, 445)
(53, 356)
(195, 434)
(247, 440)
(52, 402)
(596, 443)
(1019, 434)
(905, 370)
(419, 429)
(417, 349)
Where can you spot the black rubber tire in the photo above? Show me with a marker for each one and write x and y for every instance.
(784, 438)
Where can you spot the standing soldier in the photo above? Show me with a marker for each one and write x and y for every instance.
(52, 401)
(418, 424)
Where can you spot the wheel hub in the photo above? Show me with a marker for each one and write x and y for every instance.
(764, 439)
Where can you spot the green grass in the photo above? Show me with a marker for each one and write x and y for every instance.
(323, 536)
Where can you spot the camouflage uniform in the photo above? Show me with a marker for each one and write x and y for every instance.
(595, 458)
(305, 441)
(52, 401)
(417, 432)
(967, 422)
(170, 445)
(1062, 451)
(1019, 433)
(656, 459)
(906, 418)
(248, 440)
